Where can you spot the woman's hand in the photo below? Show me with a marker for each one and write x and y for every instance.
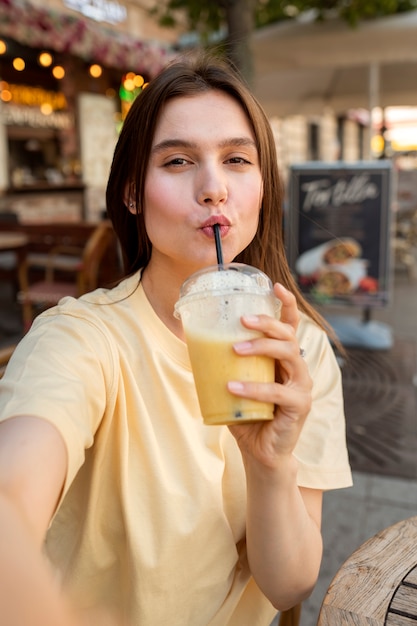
(269, 441)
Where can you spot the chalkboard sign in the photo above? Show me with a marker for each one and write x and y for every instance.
(337, 231)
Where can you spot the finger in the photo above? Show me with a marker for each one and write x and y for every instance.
(285, 346)
(280, 349)
(289, 310)
(279, 342)
(292, 400)
(269, 326)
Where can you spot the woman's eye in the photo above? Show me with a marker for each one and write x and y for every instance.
(176, 161)
(238, 161)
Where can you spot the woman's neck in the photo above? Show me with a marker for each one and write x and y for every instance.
(162, 293)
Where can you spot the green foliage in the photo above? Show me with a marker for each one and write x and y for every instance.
(205, 16)
(353, 11)
(357, 10)
(271, 11)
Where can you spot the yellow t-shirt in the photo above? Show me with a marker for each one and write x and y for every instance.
(151, 524)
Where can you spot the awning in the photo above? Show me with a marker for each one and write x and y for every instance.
(62, 32)
(301, 68)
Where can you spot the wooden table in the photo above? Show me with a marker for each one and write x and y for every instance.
(11, 241)
(377, 585)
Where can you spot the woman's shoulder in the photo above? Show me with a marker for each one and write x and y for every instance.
(90, 322)
(97, 305)
(307, 327)
(316, 344)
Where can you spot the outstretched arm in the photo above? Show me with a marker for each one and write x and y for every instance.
(32, 472)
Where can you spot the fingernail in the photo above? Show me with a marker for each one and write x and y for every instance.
(251, 319)
(281, 286)
(243, 346)
(235, 386)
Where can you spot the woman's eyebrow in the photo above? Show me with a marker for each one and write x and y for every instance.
(166, 144)
(237, 142)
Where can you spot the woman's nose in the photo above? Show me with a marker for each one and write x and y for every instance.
(212, 189)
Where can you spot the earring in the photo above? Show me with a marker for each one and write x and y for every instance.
(131, 205)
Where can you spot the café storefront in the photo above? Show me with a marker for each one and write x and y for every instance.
(66, 81)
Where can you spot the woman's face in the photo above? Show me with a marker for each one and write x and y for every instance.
(203, 169)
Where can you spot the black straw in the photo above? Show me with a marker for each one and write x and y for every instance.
(218, 239)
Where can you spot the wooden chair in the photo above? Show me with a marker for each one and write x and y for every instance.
(8, 260)
(81, 266)
(290, 617)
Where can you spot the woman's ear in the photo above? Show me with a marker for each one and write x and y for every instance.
(129, 198)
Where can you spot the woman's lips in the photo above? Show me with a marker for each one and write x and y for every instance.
(209, 230)
(221, 220)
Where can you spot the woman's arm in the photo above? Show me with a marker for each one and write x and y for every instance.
(284, 542)
(33, 463)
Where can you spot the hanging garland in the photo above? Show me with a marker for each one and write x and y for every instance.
(44, 28)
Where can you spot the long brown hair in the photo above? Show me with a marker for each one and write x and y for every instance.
(184, 78)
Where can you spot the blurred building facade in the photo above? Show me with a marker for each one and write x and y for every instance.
(333, 92)
(68, 72)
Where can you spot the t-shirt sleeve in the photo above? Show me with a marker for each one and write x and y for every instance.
(61, 371)
(321, 449)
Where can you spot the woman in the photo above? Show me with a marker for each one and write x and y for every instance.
(157, 518)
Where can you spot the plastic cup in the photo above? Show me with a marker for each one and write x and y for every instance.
(210, 306)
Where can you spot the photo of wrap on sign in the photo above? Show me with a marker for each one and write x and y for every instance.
(335, 268)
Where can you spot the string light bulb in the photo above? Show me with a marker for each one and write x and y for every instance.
(58, 72)
(5, 94)
(19, 64)
(45, 59)
(46, 108)
(95, 70)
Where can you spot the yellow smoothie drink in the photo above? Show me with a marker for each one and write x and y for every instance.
(214, 362)
(210, 307)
